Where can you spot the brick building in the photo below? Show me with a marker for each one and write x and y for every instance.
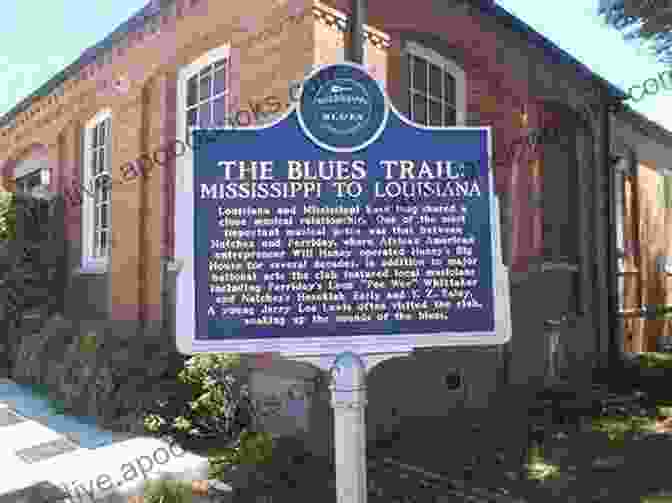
(186, 62)
(642, 200)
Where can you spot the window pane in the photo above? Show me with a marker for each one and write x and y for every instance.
(192, 91)
(99, 248)
(419, 109)
(103, 243)
(219, 111)
(206, 83)
(94, 162)
(105, 190)
(435, 84)
(94, 137)
(449, 88)
(103, 216)
(435, 113)
(204, 115)
(99, 185)
(101, 160)
(101, 132)
(191, 117)
(96, 218)
(220, 81)
(419, 79)
(451, 116)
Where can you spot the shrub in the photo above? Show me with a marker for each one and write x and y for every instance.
(168, 491)
(215, 404)
(656, 360)
(251, 449)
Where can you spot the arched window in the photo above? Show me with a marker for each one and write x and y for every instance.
(32, 174)
(560, 188)
(436, 88)
(203, 92)
(96, 179)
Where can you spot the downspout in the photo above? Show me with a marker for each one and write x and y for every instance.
(636, 215)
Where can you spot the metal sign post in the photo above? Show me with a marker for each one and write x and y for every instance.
(340, 235)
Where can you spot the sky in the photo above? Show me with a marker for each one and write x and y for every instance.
(35, 48)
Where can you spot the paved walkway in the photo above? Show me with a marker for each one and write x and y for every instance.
(40, 465)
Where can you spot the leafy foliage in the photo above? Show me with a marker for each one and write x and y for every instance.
(252, 448)
(620, 428)
(30, 260)
(538, 468)
(7, 216)
(215, 404)
(656, 360)
(649, 21)
(168, 491)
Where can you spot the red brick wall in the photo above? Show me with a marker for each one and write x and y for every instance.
(272, 52)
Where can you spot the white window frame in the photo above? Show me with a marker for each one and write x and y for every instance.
(91, 263)
(184, 164)
(29, 167)
(184, 74)
(450, 67)
(183, 219)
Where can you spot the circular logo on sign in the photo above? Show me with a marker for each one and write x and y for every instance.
(342, 108)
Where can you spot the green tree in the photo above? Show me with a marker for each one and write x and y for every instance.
(649, 21)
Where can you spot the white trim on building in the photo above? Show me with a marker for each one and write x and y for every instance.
(96, 232)
(448, 67)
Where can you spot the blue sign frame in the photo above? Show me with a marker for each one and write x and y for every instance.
(339, 226)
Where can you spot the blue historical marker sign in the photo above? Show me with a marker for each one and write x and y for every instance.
(340, 226)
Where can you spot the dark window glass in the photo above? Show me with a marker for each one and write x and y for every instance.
(206, 83)
(220, 81)
(419, 79)
(102, 132)
(419, 109)
(219, 111)
(103, 242)
(192, 91)
(435, 113)
(451, 117)
(94, 162)
(192, 115)
(204, 115)
(101, 160)
(435, 85)
(449, 88)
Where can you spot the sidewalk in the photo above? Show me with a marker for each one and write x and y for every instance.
(36, 460)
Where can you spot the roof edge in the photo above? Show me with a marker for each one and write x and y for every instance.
(154, 7)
